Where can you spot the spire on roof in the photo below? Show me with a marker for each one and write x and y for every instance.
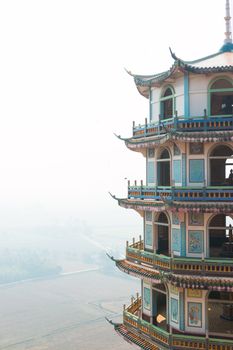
(228, 39)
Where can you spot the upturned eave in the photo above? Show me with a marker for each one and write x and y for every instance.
(179, 280)
(176, 206)
(139, 144)
(219, 62)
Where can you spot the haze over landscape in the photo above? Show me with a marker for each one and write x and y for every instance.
(64, 93)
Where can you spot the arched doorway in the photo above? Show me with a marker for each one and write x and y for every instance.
(220, 313)
(163, 168)
(159, 303)
(221, 166)
(221, 97)
(162, 229)
(220, 236)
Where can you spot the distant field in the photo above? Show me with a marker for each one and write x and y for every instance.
(64, 313)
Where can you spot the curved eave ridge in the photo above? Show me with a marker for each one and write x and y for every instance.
(158, 206)
(221, 61)
(198, 136)
(145, 81)
(146, 273)
(134, 338)
(182, 280)
(141, 80)
(142, 205)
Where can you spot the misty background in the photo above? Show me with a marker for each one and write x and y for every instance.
(64, 92)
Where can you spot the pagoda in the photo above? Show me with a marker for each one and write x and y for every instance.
(185, 259)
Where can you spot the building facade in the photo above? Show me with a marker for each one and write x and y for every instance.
(185, 259)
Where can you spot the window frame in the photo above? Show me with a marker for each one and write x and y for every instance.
(210, 91)
(163, 99)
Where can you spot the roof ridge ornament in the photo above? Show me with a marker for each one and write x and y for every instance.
(173, 54)
(228, 39)
(228, 45)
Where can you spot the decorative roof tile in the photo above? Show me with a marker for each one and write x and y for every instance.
(134, 337)
(218, 62)
(184, 281)
(158, 206)
(185, 136)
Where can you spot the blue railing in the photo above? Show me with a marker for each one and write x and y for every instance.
(184, 124)
(211, 193)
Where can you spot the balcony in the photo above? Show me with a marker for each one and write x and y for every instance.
(195, 266)
(132, 317)
(181, 194)
(148, 332)
(183, 124)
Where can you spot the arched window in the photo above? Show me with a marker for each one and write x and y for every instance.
(220, 313)
(163, 168)
(162, 229)
(220, 231)
(221, 97)
(221, 166)
(167, 104)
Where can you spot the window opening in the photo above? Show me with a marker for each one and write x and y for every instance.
(163, 169)
(221, 97)
(163, 234)
(220, 313)
(221, 166)
(167, 104)
(221, 236)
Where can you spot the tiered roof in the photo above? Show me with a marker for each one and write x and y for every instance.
(201, 274)
(178, 280)
(175, 206)
(221, 61)
(133, 337)
(174, 135)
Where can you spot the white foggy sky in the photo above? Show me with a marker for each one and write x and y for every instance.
(64, 92)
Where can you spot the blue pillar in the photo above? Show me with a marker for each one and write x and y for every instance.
(184, 170)
(186, 96)
(183, 239)
(181, 306)
(150, 172)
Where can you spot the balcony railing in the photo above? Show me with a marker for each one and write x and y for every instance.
(183, 124)
(132, 318)
(169, 340)
(182, 194)
(206, 266)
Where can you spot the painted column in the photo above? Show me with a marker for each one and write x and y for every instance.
(182, 320)
(183, 238)
(186, 96)
(184, 170)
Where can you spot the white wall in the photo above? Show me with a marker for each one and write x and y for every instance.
(179, 96)
(198, 94)
(155, 104)
(178, 87)
(199, 328)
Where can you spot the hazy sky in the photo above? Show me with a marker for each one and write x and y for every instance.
(64, 92)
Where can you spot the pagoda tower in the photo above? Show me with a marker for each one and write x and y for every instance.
(185, 259)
